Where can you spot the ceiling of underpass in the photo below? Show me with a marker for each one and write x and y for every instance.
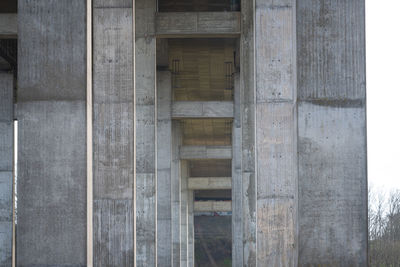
(8, 6)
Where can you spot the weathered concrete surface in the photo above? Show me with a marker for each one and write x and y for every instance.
(52, 133)
(236, 180)
(332, 133)
(276, 149)
(191, 241)
(206, 109)
(247, 108)
(184, 213)
(164, 161)
(146, 142)
(176, 193)
(113, 134)
(182, 24)
(8, 25)
(6, 166)
(205, 152)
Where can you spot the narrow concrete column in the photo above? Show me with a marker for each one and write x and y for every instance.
(247, 108)
(191, 228)
(146, 142)
(276, 147)
(332, 133)
(184, 212)
(6, 166)
(164, 160)
(176, 194)
(113, 134)
(237, 190)
(52, 133)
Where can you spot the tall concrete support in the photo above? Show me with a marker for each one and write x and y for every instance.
(164, 161)
(6, 166)
(184, 213)
(191, 240)
(145, 108)
(237, 189)
(332, 133)
(276, 147)
(176, 193)
(52, 133)
(113, 134)
(247, 108)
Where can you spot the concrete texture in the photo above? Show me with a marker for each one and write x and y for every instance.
(52, 133)
(8, 25)
(146, 128)
(184, 213)
(164, 161)
(195, 24)
(276, 149)
(113, 134)
(247, 108)
(6, 166)
(176, 193)
(332, 133)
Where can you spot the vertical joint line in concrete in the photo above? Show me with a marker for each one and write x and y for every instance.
(134, 129)
(89, 135)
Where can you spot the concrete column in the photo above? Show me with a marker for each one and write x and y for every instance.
(113, 134)
(184, 212)
(237, 190)
(146, 142)
(247, 107)
(191, 228)
(6, 166)
(276, 147)
(164, 160)
(332, 133)
(52, 133)
(176, 194)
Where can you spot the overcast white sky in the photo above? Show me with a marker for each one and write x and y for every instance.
(383, 93)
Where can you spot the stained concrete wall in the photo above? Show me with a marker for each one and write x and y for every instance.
(52, 133)
(113, 134)
(6, 166)
(332, 133)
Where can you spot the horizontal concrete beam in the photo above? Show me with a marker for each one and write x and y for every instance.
(209, 183)
(197, 24)
(206, 109)
(8, 26)
(205, 152)
(216, 206)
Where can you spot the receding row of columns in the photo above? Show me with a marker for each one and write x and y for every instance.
(314, 123)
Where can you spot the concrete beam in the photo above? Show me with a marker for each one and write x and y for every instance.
(8, 26)
(205, 152)
(209, 183)
(197, 109)
(212, 206)
(197, 24)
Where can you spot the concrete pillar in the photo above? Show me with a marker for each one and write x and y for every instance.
(184, 212)
(113, 134)
(52, 133)
(276, 147)
(146, 142)
(247, 108)
(332, 133)
(237, 190)
(176, 194)
(191, 240)
(164, 154)
(6, 166)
